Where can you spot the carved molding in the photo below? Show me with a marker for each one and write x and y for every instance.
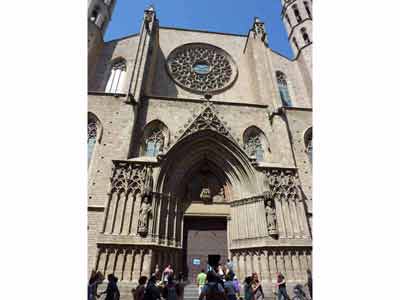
(282, 184)
(247, 201)
(207, 118)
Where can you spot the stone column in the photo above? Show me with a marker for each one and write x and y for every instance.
(128, 214)
(137, 265)
(256, 264)
(288, 265)
(303, 262)
(135, 215)
(101, 260)
(119, 262)
(127, 274)
(159, 220)
(293, 212)
(146, 270)
(110, 213)
(303, 219)
(167, 218)
(242, 270)
(273, 264)
(249, 267)
(287, 216)
(296, 265)
(264, 267)
(280, 262)
(112, 260)
(120, 213)
(235, 260)
(280, 219)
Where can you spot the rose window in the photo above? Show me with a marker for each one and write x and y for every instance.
(201, 68)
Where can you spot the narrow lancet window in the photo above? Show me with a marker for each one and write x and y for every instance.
(283, 89)
(116, 80)
(92, 138)
(297, 13)
(307, 9)
(254, 148)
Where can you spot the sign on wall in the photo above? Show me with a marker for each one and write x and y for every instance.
(196, 261)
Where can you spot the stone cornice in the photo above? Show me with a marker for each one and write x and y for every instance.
(246, 200)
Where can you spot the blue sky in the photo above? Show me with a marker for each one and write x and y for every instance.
(230, 16)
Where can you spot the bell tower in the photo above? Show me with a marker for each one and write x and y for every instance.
(99, 16)
(297, 18)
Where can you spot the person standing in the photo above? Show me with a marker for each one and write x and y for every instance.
(152, 292)
(170, 290)
(95, 279)
(168, 271)
(281, 286)
(257, 288)
(237, 285)
(212, 290)
(248, 290)
(201, 280)
(112, 292)
(229, 287)
(180, 286)
(138, 294)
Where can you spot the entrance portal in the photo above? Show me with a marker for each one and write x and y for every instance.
(205, 244)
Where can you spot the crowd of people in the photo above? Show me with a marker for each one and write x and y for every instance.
(219, 283)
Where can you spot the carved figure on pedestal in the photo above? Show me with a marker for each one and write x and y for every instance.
(220, 197)
(144, 213)
(271, 217)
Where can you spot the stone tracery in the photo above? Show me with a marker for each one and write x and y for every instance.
(201, 67)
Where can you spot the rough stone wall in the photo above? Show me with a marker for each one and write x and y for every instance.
(299, 122)
(116, 119)
(125, 48)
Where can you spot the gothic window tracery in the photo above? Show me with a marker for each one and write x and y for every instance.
(288, 20)
(283, 88)
(154, 143)
(201, 67)
(254, 148)
(255, 143)
(92, 138)
(116, 80)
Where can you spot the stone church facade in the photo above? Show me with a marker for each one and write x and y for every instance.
(199, 137)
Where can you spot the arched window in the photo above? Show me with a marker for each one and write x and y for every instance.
(154, 143)
(92, 138)
(308, 143)
(255, 143)
(297, 13)
(288, 20)
(283, 88)
(305, 35)
(307, 9)
(155, 138)
(295, 43)
(116, 80)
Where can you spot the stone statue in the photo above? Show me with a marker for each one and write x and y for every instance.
(144, 212)
(220, 197)
(271, 217)
(205, 194)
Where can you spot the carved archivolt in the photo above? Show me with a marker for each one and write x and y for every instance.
(201, 68)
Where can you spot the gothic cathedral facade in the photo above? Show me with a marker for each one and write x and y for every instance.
(199, 148)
